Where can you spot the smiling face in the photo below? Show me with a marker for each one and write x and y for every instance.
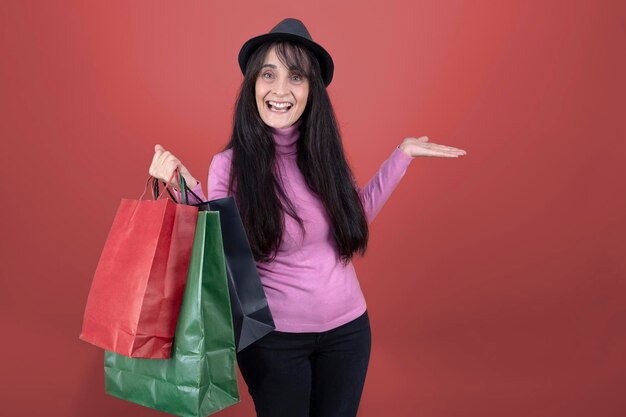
(281, 93)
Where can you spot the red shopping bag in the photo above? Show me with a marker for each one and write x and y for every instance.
(137, 289)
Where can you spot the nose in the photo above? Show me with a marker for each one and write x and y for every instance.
(281, 87)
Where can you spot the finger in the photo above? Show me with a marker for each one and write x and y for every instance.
(443, 153)
(165, 165)
(164, 156)
(158, 148)
(171, 163)
(457, 150)
(453, 151)
(170, 166)
(449, 155)
(449, 148)
(154, 163)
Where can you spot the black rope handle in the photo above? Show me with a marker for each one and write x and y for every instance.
(195, 195)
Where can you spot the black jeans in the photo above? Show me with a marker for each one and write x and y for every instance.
(308, 374)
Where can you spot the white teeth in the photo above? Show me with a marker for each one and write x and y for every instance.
(279, 105)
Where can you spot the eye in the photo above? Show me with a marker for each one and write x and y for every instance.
(266, 75)
(297, 77)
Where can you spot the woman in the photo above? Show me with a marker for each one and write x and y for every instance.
(305, 218)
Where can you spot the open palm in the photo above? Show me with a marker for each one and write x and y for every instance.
(422, 147)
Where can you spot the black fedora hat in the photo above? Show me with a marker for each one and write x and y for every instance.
(292, 30)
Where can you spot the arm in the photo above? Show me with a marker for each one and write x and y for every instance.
(219, 174)
(378, 190)
(380, 187)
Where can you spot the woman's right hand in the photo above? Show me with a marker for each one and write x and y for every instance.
(163, 165)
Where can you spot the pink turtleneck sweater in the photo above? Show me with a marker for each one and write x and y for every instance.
(307, 287)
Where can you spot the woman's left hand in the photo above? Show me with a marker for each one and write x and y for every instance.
(421, 147)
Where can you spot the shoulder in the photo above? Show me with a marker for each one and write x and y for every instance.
(219, 175)
(226, 155)
(222, 160)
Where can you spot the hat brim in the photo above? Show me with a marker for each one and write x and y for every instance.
(326, 62)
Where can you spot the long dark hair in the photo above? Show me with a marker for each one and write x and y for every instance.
(320, 157)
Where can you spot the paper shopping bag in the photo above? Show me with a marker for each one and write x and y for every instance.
(252, 317)
(138, 285)
(200, 378)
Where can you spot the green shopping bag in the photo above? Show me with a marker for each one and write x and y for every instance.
(200, 378)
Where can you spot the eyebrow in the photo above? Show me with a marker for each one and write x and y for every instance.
(293, 69)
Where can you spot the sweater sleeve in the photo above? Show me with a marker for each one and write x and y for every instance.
(378, 190)
(219, 175)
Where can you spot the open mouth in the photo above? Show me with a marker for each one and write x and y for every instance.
(278, 106)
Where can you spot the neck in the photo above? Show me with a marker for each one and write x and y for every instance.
(286, 138)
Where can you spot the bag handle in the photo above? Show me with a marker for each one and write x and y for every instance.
(156, 193)
(181, 183)
(194, 194)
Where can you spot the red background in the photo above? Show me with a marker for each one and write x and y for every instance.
(495, 282)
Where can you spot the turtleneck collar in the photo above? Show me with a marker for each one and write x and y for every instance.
(285, 138)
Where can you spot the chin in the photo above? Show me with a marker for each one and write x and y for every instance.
(277, 124)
